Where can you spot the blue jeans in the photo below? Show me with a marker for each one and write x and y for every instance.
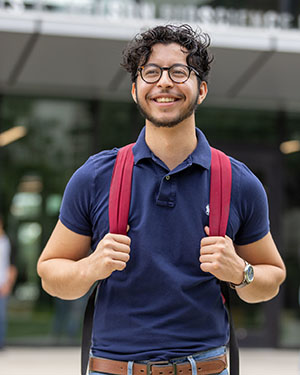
(197, 357)
(3, 303)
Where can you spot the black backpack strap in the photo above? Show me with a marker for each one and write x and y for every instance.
(234, 358)
(87, 330)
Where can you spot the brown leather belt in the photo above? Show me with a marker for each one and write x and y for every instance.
(206, 367)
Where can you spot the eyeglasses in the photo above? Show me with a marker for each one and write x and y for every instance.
(178, 73)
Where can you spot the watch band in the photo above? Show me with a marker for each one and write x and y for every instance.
(248, 277)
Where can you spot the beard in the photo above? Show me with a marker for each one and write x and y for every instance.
(168, 123)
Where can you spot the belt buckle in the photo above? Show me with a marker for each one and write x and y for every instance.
(150, 364)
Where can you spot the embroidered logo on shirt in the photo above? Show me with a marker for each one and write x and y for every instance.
(207, 210)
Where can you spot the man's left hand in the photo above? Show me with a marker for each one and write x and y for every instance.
(218, 256)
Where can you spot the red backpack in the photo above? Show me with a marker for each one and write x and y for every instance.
(119, 205)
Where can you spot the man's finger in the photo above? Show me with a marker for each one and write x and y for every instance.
(121, 256)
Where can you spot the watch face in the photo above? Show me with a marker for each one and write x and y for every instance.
(249, 274)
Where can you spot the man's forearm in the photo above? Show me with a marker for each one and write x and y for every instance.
(265, 286)
(64, 278)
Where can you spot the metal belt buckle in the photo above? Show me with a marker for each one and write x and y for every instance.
(163, 363)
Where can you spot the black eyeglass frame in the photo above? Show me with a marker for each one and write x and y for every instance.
(190, 69)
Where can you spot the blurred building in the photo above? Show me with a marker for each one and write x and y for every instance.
(64, 96)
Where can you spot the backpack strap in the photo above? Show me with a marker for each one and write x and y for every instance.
(220, 193)
(87, 329)
(120, 191)
(119, 204)
(219, 206)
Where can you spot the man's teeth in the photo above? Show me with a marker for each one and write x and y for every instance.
(165, 100)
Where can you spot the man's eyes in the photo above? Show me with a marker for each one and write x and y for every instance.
(149, 72)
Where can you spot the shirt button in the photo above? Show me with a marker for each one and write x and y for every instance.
(168, 177)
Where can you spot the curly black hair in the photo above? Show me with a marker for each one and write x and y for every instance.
(196, 43)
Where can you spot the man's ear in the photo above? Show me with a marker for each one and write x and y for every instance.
(202, 92)
(133, 91)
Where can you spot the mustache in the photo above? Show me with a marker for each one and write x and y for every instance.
(165, 92)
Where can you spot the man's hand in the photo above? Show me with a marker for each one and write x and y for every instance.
(218, 256)
(67, 268)
(6, 288)
(111, 254)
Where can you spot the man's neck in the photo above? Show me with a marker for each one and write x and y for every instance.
(171, 145)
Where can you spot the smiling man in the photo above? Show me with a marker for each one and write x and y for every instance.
(159, 299)
(177, 104)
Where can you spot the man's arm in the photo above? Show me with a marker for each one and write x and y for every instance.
(66, 268)
(269, 270)
(220, 257)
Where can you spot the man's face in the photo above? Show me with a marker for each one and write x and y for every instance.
(165, 103)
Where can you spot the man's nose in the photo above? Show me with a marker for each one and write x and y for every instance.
(165, 80)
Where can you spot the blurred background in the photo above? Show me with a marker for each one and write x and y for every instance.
(64, 96)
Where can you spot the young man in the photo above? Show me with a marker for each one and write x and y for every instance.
(160, 299)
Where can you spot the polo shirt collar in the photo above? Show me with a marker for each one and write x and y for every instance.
(200, 156)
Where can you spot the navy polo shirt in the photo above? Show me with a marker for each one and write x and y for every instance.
(162, 305)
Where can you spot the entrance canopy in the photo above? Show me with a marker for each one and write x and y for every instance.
(58, 55)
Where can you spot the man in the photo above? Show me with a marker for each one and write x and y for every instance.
(8, 274)
(160, 299)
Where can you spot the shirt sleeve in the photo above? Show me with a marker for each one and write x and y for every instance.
(253, 209)
(77, 200)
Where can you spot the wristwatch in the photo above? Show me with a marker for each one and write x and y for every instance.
(248, 277)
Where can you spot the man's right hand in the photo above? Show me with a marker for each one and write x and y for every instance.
(68, 270)
(111, 254)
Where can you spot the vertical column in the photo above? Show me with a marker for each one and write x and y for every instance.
(291, 7)
(285, 5)
(95, 110)
(273, 308)
(136, 122)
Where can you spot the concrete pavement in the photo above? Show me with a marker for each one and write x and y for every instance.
(66, 361)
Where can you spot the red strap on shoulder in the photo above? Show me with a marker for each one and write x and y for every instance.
(220, 193)
(120, 191)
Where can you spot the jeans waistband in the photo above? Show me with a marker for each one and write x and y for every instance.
(215, 352)
(207, 362)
